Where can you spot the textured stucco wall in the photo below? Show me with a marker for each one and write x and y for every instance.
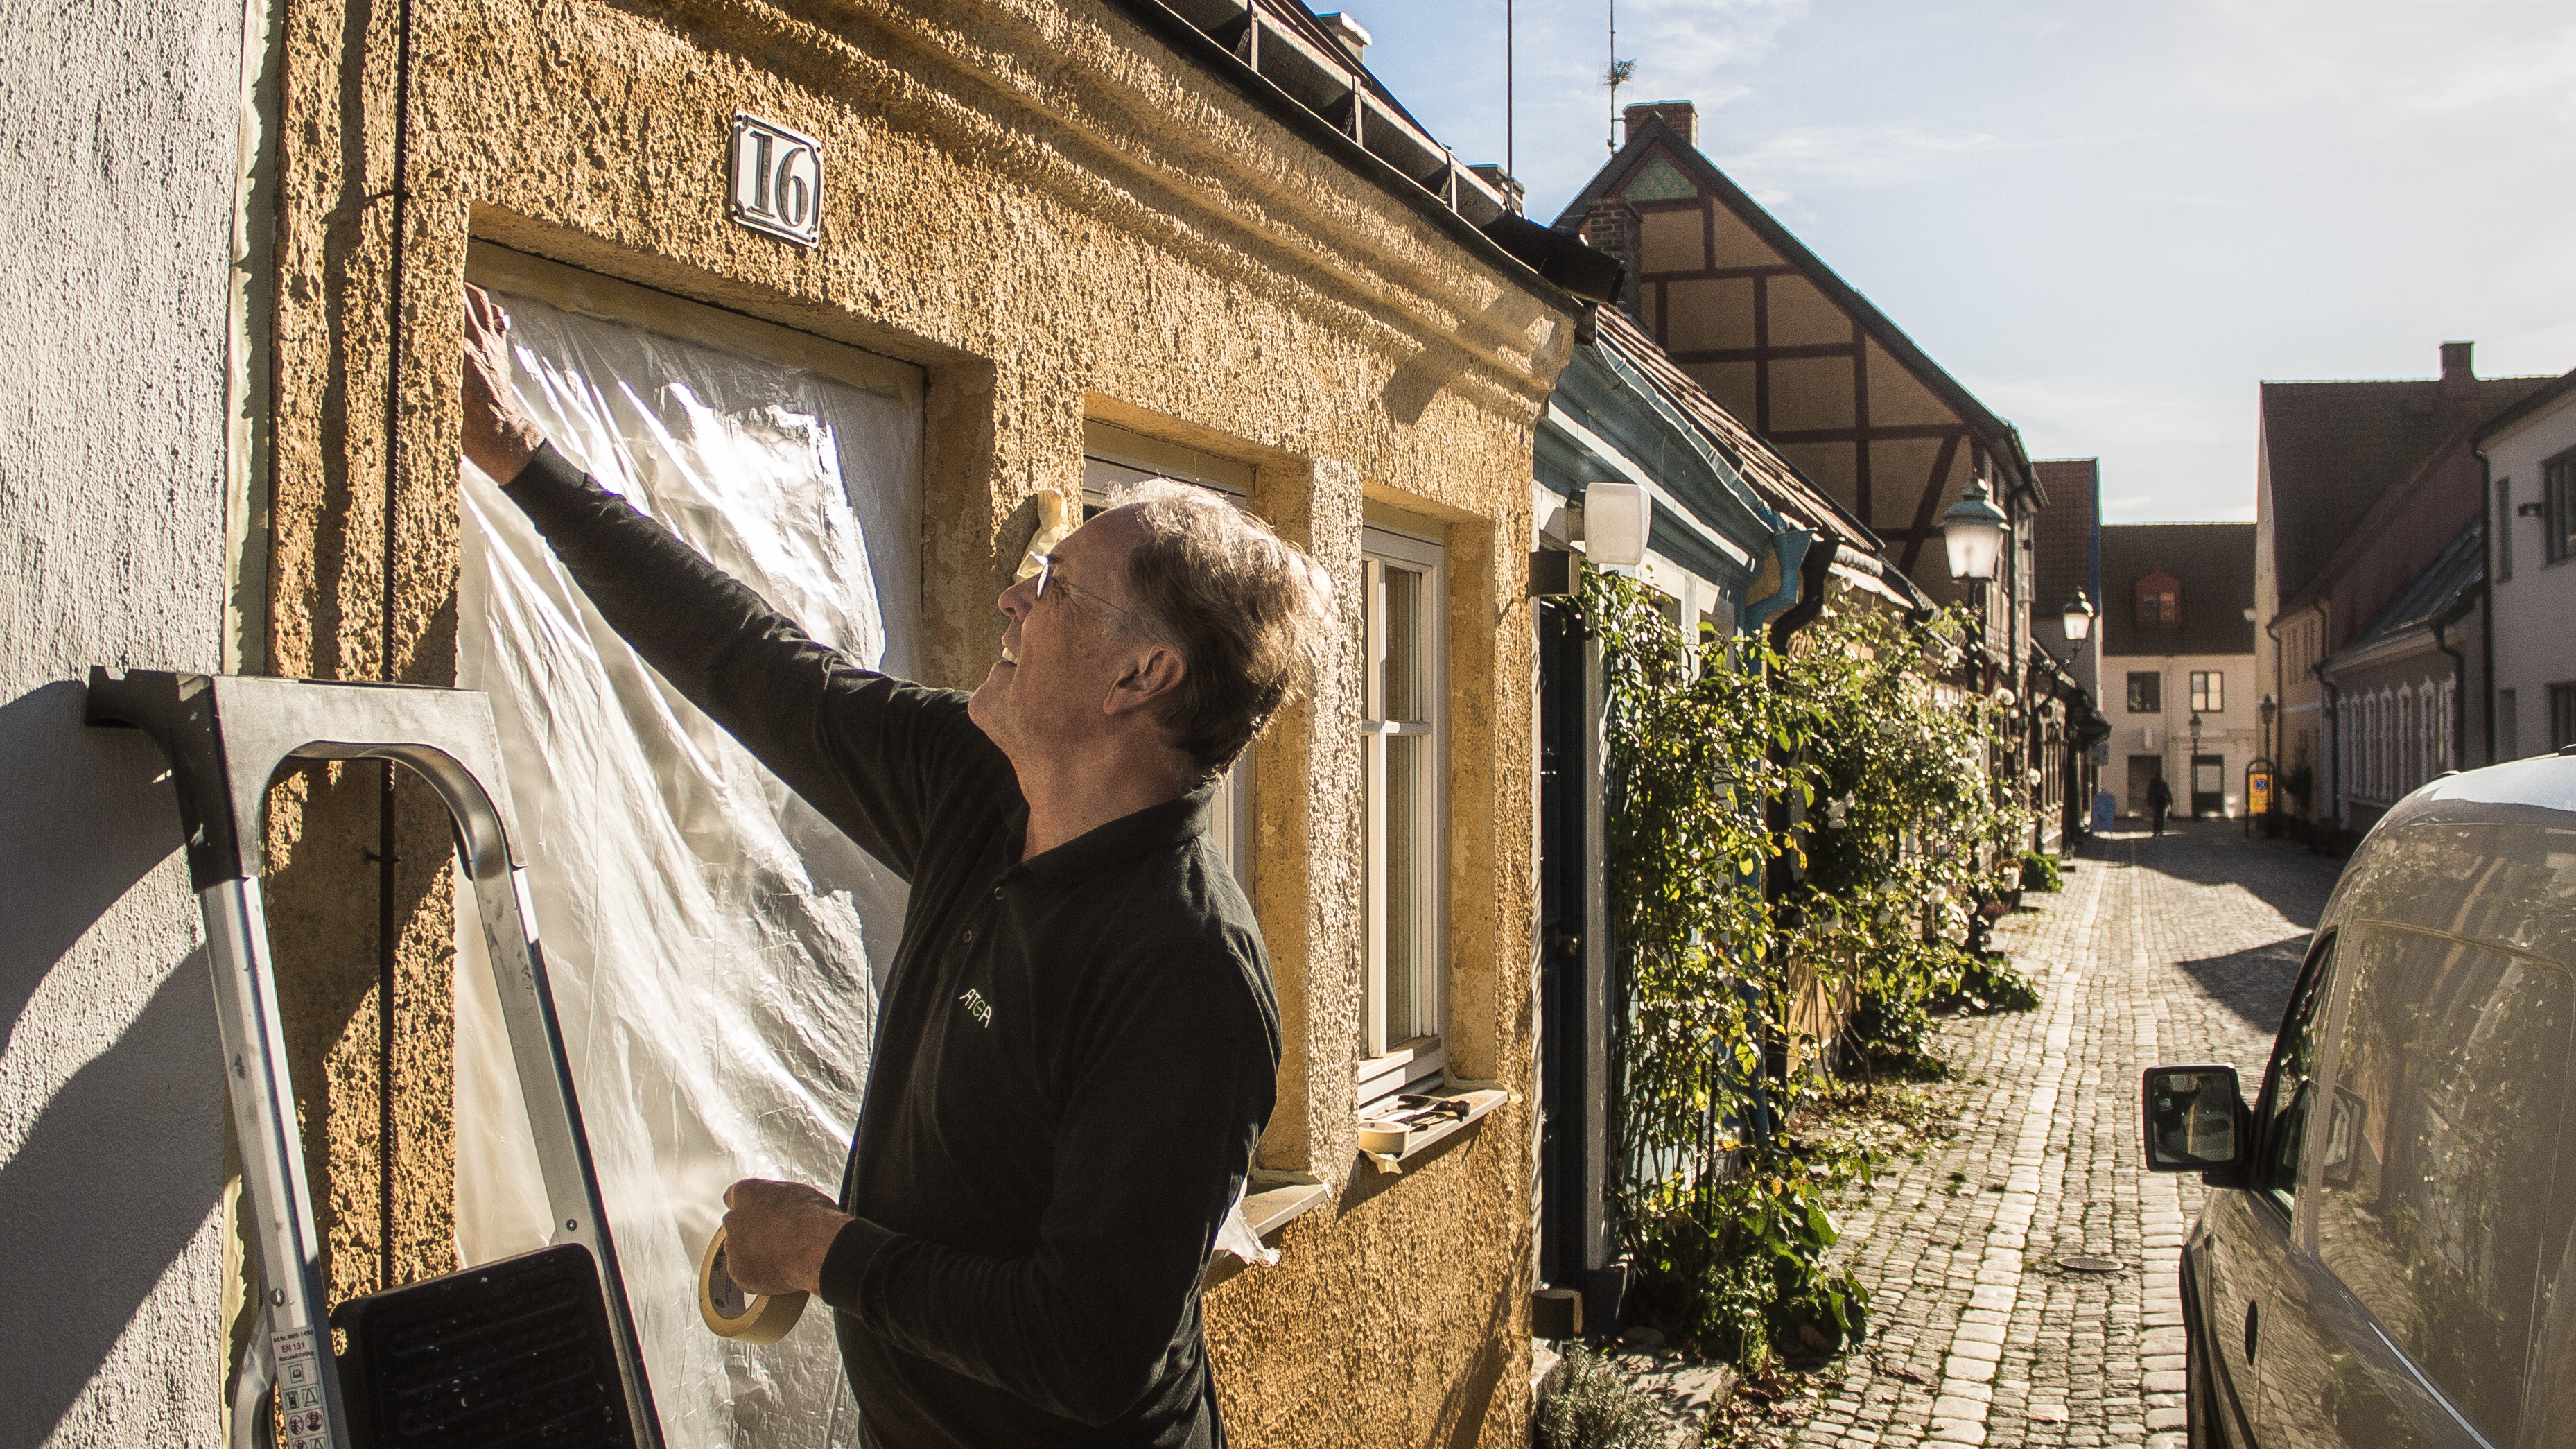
(1055, 218)
(115, 213)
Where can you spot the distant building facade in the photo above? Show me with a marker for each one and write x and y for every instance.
(2067, 559)
(2178, 662)
(2529, 648)
(2359, 488)
(1822, 375)
(2398, 695)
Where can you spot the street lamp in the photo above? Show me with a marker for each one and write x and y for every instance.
(2077, 616)
(1974, 530)
(2191, 766)
(2270, 710)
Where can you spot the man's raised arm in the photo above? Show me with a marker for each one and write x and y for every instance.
(857, 745)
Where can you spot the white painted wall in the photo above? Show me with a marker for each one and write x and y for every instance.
(2534, 648)
(116, 216)
(2235, 732)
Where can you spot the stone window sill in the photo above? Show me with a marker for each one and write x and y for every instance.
(1421, 1140)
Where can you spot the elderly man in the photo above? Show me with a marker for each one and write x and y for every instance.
(1078, 1043)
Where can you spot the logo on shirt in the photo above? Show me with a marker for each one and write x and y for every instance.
(977, 1007)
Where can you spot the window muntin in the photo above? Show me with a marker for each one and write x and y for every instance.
(2208, 691)
(1403, 596)
(2450, 1081)
(2146, 692)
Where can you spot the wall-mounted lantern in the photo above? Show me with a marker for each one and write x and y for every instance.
(1974, 530)
(2077, 616)
(1612, 521)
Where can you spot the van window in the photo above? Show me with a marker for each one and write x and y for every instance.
(2286, 1100)
(2434, 1172)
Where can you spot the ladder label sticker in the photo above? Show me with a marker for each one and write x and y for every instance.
(299, 1392)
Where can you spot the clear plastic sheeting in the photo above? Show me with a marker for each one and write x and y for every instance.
(710, 938)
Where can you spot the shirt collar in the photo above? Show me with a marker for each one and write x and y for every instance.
(1174, 822)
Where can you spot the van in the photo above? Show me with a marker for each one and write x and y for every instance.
(2385, 1256)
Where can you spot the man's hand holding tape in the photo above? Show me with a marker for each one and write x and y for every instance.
(1078, 1042)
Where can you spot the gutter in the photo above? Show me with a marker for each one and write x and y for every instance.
(2459, 679)
(1175, 30)
(1793, 548)
(1815, 569)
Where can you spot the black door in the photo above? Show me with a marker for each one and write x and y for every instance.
(1567, 1176)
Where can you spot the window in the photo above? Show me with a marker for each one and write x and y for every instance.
(2159, 602)
(2558, 508)
(2450, 1082)
(2208, 691)
(1401, 604)
(2503, 529)
(2562, 716)
(2146, 693)
(2282, 1112)
(1113, 455)
(2508, 725)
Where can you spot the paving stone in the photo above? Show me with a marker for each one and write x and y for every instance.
(2173, 949)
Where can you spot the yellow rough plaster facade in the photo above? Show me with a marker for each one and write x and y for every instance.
(1057, 217)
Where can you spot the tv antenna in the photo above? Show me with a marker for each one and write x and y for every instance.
(1619, 74)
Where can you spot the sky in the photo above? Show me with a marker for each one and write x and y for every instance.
(2108, 221)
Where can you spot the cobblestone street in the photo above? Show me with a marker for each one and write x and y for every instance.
(2173, 949)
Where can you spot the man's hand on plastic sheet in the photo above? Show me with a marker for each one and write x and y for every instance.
(498, 437)
(777, 1233)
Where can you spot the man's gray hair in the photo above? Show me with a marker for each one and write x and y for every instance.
(1249, 613)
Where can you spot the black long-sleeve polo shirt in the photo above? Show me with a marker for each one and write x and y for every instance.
(1075, 1056)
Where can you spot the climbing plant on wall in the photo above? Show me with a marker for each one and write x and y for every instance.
(1726, 1221)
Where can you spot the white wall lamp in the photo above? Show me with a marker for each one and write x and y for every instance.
(1611, 520)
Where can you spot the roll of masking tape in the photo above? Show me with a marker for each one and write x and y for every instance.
(732, 1313)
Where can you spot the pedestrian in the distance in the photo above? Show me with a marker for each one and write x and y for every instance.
(2159, 800)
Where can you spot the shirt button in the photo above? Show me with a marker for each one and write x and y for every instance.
(969, 937)
(997, 893)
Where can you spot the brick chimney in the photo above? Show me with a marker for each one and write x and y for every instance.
(2459, 379)
(1611, 228)
(1682, 116)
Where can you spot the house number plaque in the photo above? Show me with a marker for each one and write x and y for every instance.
(776, 176)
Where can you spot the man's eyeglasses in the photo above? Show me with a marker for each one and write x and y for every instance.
(1047, 579)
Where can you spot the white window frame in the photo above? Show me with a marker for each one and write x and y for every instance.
(1388, 1067)
(2208, 691)
(1112, 455)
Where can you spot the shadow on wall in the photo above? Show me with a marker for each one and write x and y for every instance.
(119, 1166)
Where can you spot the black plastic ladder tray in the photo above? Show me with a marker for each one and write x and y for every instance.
(224, 736)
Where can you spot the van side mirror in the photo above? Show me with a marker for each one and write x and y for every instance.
(2195, 1119)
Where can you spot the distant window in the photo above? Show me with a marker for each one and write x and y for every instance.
(2562, 716)
(2159, 602)
(2558, 508)
(2508, 725)
(2504, 529)
(2208, 691)
(2146, 694)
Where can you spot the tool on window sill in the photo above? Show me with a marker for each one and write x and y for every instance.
(540, 1345)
